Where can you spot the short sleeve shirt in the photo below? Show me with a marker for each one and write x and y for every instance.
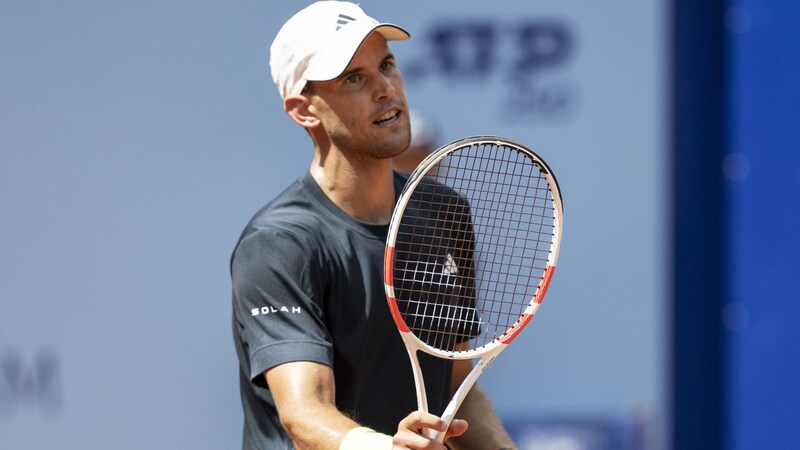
(308, 286)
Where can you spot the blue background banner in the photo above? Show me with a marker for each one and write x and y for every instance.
(762, 170)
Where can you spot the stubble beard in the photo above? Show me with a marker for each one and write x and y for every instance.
(372, 146)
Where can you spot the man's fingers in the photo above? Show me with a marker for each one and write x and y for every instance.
(457, 428)
(418, 420)
(414, 429)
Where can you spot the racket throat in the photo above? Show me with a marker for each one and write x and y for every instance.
(419, 381)
(461, 394)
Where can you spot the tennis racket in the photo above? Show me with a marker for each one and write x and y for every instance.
(471, 250)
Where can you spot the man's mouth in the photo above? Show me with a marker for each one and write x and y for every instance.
(388, 117)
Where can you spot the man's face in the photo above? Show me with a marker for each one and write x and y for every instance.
(364, 110)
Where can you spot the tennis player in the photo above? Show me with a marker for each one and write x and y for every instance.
(322, 365)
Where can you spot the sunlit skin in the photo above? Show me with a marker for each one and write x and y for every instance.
(364, 111)
(358, 121)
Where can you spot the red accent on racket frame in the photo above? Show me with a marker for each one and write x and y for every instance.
(388, 279)
(398, 319)
(548, 275)
(388, 266)
(523, 320)
(512, 332)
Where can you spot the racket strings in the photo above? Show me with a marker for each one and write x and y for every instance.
(473, 244)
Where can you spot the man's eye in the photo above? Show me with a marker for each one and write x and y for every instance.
(353, 79)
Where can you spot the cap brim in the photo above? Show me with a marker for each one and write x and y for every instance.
(334, 60)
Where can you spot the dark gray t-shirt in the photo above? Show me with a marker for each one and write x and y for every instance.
(308, 286)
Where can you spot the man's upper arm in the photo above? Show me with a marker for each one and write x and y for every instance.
(275, 299)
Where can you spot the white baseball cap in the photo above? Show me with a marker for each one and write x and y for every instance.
(318, 43)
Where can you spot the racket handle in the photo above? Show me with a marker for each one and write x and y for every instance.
(438, 436)
(448, 416)
(450, 412)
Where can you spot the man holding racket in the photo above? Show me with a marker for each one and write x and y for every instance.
(322, 366)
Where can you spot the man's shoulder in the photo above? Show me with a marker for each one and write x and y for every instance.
(300, 218)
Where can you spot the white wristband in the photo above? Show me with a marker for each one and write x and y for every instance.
(363, 438)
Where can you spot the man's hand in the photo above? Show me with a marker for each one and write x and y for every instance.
(412, 434)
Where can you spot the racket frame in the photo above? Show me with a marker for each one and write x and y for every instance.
(489, 351)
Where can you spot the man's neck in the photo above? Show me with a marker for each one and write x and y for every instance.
(365, 191)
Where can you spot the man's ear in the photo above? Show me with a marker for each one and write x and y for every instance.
(297, 107)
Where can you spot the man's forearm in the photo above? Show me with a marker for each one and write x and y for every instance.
(318, 427)
(304, 394)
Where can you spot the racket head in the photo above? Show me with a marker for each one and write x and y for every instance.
(472, 246)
